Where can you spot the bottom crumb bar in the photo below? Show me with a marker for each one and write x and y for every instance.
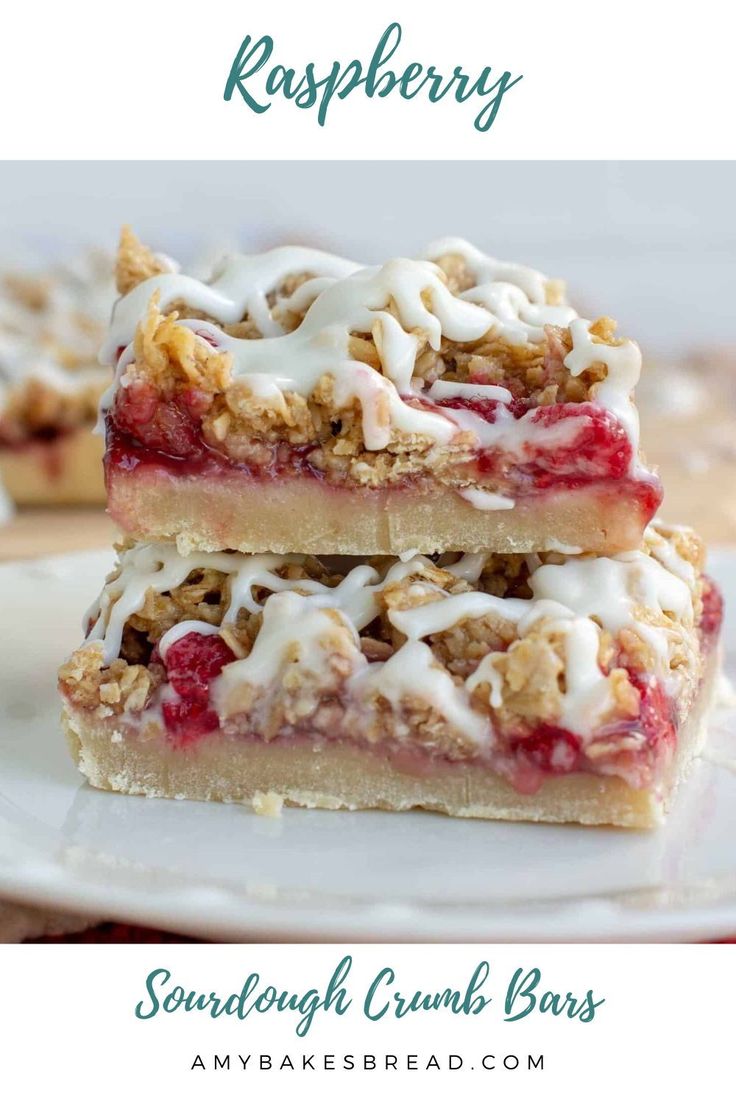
(551, 688)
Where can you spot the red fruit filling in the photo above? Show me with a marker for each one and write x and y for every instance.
(599, 446)
(657, 714)
(127, 451)
(191, 664)
(485, 408)
(549, 748)
(170, 427)
(196, 659)
(146, 428)
(712, 615)
(193, 661)
(186, 721)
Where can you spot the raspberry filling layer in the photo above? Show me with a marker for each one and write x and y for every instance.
(526, 760)
(143, 429)
(711, 617)
(598, 448)
(191, 664)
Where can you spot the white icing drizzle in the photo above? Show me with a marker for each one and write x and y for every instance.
(587, 695)
(469, 567)
(450, 389)
(182, 629)
(239, 286)
(437, 617)
(577, 599)
(668, 555)
(488, 270)
(400, 304)
(623, 363)
(567, 549)
(512, 293)
(486, 500)
(413, 672)
(277, 644)
(603, 587)
(160, 567)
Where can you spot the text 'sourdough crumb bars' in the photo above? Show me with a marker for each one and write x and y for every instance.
(539, 686)
(390, 544)
(300, 403)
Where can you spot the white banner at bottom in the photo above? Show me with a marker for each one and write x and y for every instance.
(516, 1023)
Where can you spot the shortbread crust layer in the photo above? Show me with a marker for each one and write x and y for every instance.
(306, 516)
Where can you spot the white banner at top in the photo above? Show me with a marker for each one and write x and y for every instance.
(389, 79)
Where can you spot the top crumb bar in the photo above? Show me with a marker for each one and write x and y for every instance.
(300, 402)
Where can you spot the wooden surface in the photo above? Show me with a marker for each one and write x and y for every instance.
(48, 532)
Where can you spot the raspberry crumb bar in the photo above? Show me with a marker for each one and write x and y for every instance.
(51, 326)
(545, 687)
(298, 402)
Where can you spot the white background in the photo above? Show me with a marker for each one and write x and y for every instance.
(664, 1033)
(638, 78)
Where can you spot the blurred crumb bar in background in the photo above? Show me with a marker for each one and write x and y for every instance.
(51, 326)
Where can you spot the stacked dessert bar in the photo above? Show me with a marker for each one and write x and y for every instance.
(389, 543)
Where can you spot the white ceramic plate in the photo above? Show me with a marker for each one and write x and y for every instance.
(222, 872)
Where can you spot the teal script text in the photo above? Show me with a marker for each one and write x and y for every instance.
(257, 81)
